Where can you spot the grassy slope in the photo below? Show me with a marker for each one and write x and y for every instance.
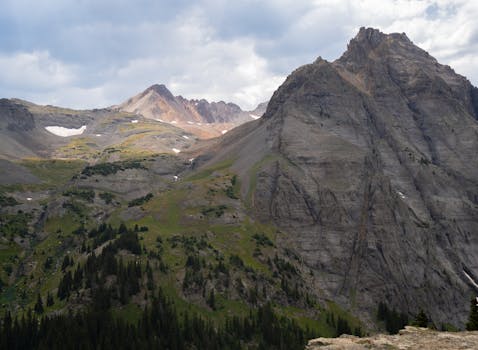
(177, 212)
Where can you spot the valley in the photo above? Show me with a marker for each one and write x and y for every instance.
(348, 204)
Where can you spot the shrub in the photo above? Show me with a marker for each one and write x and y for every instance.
(140, 200)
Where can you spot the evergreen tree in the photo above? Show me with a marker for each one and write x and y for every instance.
(472, 324)
(343, 326)
(66, 263)
(122, 228)
(39, 305)
(49, 299)
(393, 320)
(65, 286)
(211, 301)
(421, 320)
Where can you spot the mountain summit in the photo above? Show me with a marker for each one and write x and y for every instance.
(369, 164)
(200, 117)
(161, 90)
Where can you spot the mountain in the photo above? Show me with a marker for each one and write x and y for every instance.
(200, 117)
(136, 127)
(350, 206)
(30, 130)
(369, 164)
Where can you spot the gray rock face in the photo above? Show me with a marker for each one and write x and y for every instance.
(369, 163)
(218, 112)
(18, 132)
(15, 117)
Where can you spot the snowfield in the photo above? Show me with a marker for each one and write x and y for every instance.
(65, 132)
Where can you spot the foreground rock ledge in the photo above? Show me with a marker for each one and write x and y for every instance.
(408, 338)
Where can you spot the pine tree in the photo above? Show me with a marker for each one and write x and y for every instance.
(211, 301)
(49, 299)
(472, 324)
(65, 286)
(66, 263)
(122, 228)
(421, 320)
(39, 305)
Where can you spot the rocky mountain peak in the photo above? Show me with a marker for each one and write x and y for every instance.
(369, 36)
(372, 44)
(369, 153)
(161, 90)
(198, 116)
(372, 37)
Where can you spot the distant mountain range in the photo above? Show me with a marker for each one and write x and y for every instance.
(153, 121)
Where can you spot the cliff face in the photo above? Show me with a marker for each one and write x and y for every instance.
(369, 164)
(15, 117)
(18, 136)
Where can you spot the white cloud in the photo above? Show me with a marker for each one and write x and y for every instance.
(98, 54)
(34, 70)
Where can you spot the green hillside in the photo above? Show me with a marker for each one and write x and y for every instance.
(83, 244)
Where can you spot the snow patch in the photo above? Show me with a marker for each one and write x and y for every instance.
(98, 135)
(199, 124)
(186, 137)
(401, 195)
(65, 132)
(175, 150)
(223, 132)
(253, 116)
(174, 122)
(471, 279)
(191, 160)
(190, 123)
(160, 120)
(176, 177)
(135, 121)
(29, 198)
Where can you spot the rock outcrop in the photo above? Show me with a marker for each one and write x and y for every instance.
(15, 117)
(411, 338)
(369, 164)
(19, 136)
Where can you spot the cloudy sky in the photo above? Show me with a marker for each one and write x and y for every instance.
(95, 53)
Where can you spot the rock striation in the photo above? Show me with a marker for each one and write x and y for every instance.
(369, 164)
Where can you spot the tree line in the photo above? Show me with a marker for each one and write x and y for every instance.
(161, 326)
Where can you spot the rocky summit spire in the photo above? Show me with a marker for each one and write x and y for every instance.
(161, 90)
(369, 40)
(368, 36)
